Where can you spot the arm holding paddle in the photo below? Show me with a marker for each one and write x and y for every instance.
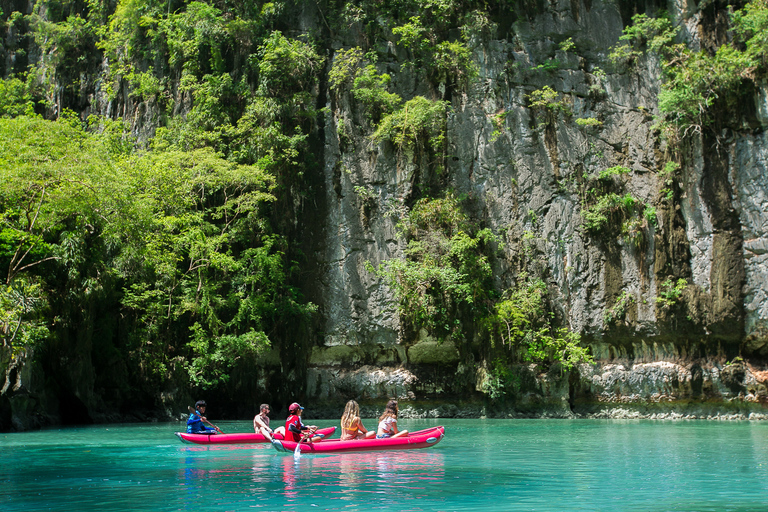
(196, 418)
(296, 427)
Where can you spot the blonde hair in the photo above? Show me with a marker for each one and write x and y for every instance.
(390, 411)
(351, 412)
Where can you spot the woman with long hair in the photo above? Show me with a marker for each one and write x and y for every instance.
(388, 422)
(351, 426)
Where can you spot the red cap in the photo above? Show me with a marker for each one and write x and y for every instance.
(294, 407)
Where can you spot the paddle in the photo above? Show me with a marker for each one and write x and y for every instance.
(297, 450)
(193, 411)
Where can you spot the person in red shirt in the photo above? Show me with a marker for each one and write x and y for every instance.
(294, 426)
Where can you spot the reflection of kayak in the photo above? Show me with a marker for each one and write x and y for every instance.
(420, 439)
(240, 438)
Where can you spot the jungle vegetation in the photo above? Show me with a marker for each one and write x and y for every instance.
(157, 157)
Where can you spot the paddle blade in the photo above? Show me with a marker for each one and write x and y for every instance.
(277, 445)
(297, 451)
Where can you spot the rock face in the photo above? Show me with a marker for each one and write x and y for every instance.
(523, 177)
(697, 350)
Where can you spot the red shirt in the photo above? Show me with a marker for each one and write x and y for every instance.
(296, 422)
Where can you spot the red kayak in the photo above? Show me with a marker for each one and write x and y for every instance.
(239, 438)
(420, 439)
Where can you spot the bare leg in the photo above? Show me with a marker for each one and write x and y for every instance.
(265, 433)
(402, 433)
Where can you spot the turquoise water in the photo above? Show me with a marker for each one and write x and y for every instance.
(542, 465)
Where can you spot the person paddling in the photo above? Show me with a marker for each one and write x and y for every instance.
(195, 422)
(295, 428)
(261, 424)
(388, 422)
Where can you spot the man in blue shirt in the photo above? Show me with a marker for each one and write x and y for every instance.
(195, 422)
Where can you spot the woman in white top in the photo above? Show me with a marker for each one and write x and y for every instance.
(388, 423)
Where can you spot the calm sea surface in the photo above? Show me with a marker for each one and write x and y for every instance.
(494, 465)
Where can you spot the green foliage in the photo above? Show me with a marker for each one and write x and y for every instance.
(547, 99)
(589, 122)
(567, 45)
(520, 311)
(500, 380)
(619, 309)
(444, 286)
(667, 175)
(346, 66)
(556, 345)
(604, 206)
(446, 273)
(23, 323)
(548, 66)
(180, 238)
(287, 66)
(520, 321)
(478, 24)
(670, 292)
(443, 61)
(15, 98)
(751, 25)
(609, 173)
(498, 121)
(644, 34)
(420, 122)
(698, 81)
(368, 86)
(214, 359)
(649, 213)
(597, 216)
(366, 194)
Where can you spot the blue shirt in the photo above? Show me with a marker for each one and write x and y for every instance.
(195, 425)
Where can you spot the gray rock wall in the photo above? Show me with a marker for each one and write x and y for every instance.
(524, 180)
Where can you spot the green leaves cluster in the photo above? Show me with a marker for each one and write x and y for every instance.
(443, 61)
(698, 81)
(445, 277)
(605, 205)
(644, 34)
(444, 285)
(521, 321)
(23, 323)
(670, 292)
(181, 239)
(546, 101)
(420, 122)
(368, 86)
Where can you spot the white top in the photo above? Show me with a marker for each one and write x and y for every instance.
(386, 425)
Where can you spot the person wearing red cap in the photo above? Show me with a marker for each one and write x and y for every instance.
(294, 426)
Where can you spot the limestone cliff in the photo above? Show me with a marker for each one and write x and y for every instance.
(523, 175)
(670, 296)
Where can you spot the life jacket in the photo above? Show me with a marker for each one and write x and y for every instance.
(289, 434)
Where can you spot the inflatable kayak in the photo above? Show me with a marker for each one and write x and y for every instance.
(239, 438)
(420, 439)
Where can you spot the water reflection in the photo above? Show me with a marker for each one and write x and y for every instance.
(351, 477)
